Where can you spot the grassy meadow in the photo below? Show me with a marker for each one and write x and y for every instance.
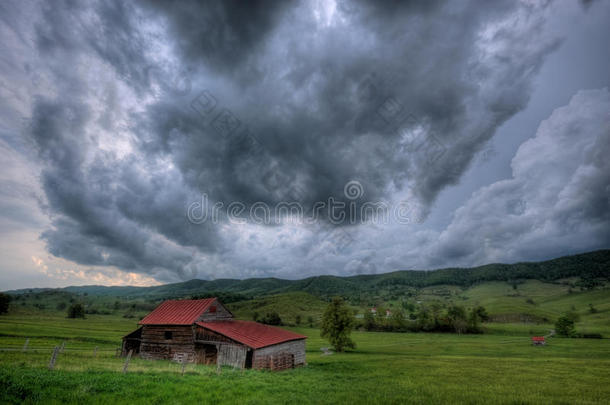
(502, 367)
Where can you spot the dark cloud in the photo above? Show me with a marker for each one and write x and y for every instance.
(264, 102)
(219, 34)
(332, 104)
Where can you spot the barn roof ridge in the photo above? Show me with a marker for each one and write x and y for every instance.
(177, 312)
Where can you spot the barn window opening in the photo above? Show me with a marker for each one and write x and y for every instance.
(168, 335)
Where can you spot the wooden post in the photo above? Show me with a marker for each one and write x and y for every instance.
(95, 352)
(183, 364)
(25, 346)
(127, 362)
(62, 347)
(53, 357)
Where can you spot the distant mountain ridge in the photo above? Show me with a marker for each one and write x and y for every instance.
(587, 266)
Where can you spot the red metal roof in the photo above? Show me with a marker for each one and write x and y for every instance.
(177, 312)
(252, 334)
(538, 338)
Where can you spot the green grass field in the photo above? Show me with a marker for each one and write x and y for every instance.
(385, 368)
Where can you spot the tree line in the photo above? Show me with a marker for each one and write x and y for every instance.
(428, 318)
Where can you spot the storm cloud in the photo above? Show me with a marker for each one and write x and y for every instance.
(141, 109)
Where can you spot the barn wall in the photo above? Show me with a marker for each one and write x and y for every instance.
(281, 356)
(211, 336)
(221, 313)
(155, 346)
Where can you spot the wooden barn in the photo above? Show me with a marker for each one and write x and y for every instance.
(204, 331)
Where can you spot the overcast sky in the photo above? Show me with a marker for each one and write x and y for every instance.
(143, 142)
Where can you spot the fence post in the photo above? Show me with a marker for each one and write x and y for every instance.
(95, 352)
(127, 362)
(183, 364)
(62, 347)
(53, 357)
(25, 346)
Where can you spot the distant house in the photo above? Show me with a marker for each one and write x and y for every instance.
(374, 311)
(538, 340)
(388, 313)
(204, 331)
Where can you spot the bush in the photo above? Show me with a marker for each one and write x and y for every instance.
(61, 306)
(565, 326)
(76, 311)
(272, 318)
(592, 336)
(5, 299)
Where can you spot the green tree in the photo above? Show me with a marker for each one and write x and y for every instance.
(369, 321)
(424, 319)
(76, 311)
(565, 326)
(457, 318)
(482, 313)
(5, 299)
(272, 318)
(297, 319)
(310, 321)
(337, 324)
(398, 321)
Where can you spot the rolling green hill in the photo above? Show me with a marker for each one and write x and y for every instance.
(520, 294)
(588, 268)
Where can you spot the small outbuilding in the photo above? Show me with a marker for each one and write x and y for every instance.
(538, 340)
(204, 331)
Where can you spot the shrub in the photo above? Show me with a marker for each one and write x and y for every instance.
(564, 326)
(76, 311)
(592, 336)
(272, 318)
(5, 299)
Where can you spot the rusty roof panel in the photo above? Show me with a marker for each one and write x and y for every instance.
(177, 312)
(252, 334)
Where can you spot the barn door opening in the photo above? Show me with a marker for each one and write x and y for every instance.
(248, 363)
(206, 354)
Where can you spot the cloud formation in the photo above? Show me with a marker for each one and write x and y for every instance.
(140, 108)
(558, 198)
